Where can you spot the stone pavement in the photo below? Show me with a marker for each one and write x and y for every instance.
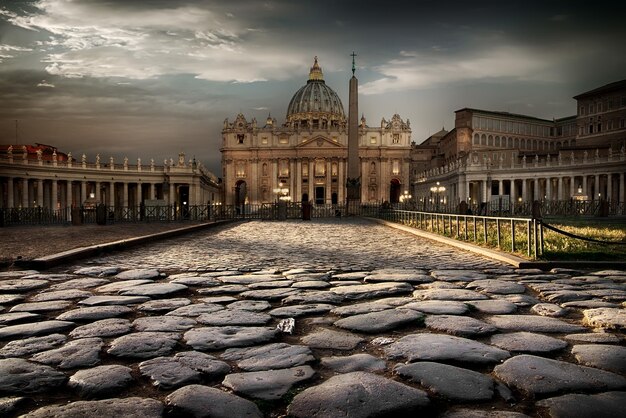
(329, 318)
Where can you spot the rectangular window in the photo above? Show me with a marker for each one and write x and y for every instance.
(395, 167)
(590, 128)
(483, 123)
(240, 138)
(599, 127)
(582, 110)
(396, 138)
(599, 107)
(509, 127)
(264, 140)
(621, 123)
(372, 140)
(623, 101)
(490, 124)
(475, 122)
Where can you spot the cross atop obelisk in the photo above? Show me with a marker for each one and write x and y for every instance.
(353, 181)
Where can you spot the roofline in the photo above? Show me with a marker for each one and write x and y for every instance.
(616, 85)
(514, 115)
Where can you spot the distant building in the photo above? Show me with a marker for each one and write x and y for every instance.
(40, 176)
(305, 158)
(494, 156)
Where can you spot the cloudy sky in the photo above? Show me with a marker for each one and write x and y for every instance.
(152, 78)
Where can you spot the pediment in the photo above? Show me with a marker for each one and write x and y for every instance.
(319, 142)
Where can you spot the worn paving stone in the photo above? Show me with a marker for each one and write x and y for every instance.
(313, 296)
(421, 347)
(361, 308)
(194, 280)
(66, 294)
(119, 286)
(162, 305)
(8, 299)
(416, 277)
(295, 311)
(449, 382)
(369, 291)
(127, 407)
(458, 275)
(534, 376)
(183, 368)
(562, 296)
(438, 307)
(20, 376)
(527, 342)
(270, 356)
(462, 326)
(206, 402)
(532, 323)
(609, 318)
(268, 294)
(80, 283)
(549, 309)
(111, 327)
(163, 323)
(195, 309)
(589, 304)
(101, 381)
(448, 294)
(113, 300)
(94, 313)
(216, 338)
(12, 317)
(492, 306)
(144, 344)
(34, 329)
(83, 352)
(138, 274)
(593, 337)
(601, 405)
(381, 321)
(154, 289)
(250, 278)
(27, 346)
(223, 290)
(98, 271)
(354, 275)
(234, 317)
(271, 285)
(479, 413)
(311, 284)
(607, 357)
(496, 286)
(218, 299)
(350, 395)
(49, 306)
(250, 305)
(327, 338)
(21, 285)
(267, 384)
(354, 363)
(10, 404)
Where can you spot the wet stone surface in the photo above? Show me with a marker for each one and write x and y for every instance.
(188, 327)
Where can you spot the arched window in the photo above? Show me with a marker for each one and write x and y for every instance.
(476, 139)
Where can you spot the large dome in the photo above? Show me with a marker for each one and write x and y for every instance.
(315, 103)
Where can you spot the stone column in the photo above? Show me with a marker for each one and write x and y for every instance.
(500, 187)
(549, 188)
(152, 191)
(312, 180)
(536, 195)
(275, 181)
(513, 192)
(559, 189)
(353, 188)
(68, 194)
(297, 194)
(585, 191)
(46, 195)
(54, 195)
(461, 190)
(525, 190)
(293, 181)
(609, 186)
(125, 195)
(596, 189)
(621, 188)
(11, 195)
(140, 196)
(172, 196)
(485, 198)
(83, 193)
(25, 193)
(39, 192)
(329, 183)
(112, 194)
(97, 192)
(572, 187)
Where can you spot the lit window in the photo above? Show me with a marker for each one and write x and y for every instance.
(395, 167)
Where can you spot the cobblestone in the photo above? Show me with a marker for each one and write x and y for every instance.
(178, 323)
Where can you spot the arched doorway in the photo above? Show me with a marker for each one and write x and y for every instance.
(241, 192)
(394, 191)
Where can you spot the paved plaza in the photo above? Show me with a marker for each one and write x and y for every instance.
(328, 318)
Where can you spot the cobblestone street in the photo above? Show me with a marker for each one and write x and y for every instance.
(329, 318)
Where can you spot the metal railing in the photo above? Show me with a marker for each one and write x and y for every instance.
(515, 235)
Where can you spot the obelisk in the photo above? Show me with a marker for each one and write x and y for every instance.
(353, 181)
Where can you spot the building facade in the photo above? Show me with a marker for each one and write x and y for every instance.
(28, 180)
(499, 156)
(305, 158)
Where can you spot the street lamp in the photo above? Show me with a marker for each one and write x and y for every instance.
(282, 193)
(405, 197)
(438, 190)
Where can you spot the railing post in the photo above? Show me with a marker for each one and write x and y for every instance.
(475, 231)
(528, 237)
(512, 236)
(498, 230)
(535, 242)
(485, 229)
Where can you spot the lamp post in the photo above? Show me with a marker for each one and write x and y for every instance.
(405, 198)
(437, 190)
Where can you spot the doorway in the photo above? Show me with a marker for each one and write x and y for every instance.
(319, 195)
(394, 191)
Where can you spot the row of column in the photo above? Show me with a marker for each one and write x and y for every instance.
(23, 192)
(610, 186)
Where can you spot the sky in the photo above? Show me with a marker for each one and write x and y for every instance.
(149, 79)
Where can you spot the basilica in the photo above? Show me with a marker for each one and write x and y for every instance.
(306, 158)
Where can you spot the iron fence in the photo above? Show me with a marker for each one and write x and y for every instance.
(515, 235)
